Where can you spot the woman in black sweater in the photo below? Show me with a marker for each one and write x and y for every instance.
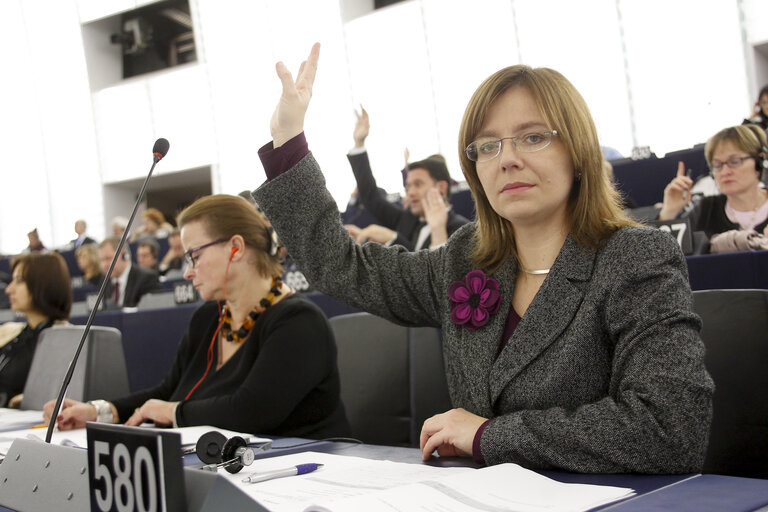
(40, 290)
(255, 358)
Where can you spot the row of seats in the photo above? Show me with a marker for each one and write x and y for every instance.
(392, 378)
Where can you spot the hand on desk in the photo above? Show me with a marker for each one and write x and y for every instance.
(73, 414)
(450, 433)
(159, 411)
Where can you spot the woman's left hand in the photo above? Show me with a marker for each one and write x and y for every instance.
(159, 411)
(450, 433)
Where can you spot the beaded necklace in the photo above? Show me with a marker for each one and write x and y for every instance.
(241, 334)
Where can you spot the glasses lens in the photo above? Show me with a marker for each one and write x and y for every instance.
(735, 162)
(480, 151)
(534, 141)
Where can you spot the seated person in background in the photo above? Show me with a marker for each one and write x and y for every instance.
(256, 358)
(568, 331)
(428, 221)
(174, 256)
(758, 116)
(735, 156)
(82, 237)
(146, 254)
(154, 225)
(128, 282)
(118, 226)
(41, 290)
(35, 244)
(88, 262)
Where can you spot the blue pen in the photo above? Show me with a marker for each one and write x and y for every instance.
(301, 469)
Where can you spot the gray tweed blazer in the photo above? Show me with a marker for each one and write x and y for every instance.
(604, 373)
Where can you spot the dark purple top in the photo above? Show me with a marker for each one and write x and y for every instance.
(278, 160)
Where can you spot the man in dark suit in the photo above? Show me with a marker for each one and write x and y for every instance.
(427, 222)
(129, 282)
(82, 238)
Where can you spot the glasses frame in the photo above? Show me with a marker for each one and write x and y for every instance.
(728, 163)
(515, 144)
(189, 255)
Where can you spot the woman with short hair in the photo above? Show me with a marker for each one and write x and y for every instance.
(40, 290)
(256, 358)
(88, 262)
(569, 338)
(736, 158)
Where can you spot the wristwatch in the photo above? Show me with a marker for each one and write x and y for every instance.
(103, 411)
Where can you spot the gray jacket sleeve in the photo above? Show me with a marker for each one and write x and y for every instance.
(387, 281)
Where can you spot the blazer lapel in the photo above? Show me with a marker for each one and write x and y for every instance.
(473, 355)
(550, 313)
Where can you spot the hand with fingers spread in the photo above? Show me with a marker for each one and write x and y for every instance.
(158, 411)
(436, 215)
(677, 194)
(362, 128)
(450, 433)
(288, 118)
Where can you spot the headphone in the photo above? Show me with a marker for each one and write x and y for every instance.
(232, 254)
(216, 451)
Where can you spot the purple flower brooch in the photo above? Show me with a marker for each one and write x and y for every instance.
(474, 300)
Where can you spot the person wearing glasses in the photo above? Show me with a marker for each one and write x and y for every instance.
(256, 358)
(569, 339)
(736, 157)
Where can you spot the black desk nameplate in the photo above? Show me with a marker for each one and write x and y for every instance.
(680, 229)
(134, 469)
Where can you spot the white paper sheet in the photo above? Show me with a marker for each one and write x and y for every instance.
(354, 484)
(79, 438)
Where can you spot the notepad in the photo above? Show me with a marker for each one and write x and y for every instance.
(347, 484)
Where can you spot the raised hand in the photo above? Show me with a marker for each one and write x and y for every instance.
(677, 194)
(288, 118)
(436, 215)
(362, 128)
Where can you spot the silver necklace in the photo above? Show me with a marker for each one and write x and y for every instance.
(535, 272)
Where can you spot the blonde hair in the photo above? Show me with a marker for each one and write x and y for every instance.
(593, 210)
(750, 138)
(225, 216)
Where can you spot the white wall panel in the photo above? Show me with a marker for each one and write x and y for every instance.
(180, 108)
(687, 70)
(581, 41)
(125, 130)
(390, 75)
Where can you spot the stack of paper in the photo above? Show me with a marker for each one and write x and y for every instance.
(354, 484)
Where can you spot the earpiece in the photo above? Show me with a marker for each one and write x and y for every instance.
(232, 254)
(232, 454)
(274, 241)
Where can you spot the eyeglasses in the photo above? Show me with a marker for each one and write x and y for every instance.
(488, 149)
(733, 163)
(191, 259)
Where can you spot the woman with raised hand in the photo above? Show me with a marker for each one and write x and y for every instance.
(736, 157)
(568, 333)
(40, 290)
(256, 358)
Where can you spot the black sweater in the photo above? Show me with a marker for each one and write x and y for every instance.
(282, 381)
(709, 216)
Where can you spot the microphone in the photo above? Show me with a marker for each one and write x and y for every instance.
(159, 150)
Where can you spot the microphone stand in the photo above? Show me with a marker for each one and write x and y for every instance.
(158, 152)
